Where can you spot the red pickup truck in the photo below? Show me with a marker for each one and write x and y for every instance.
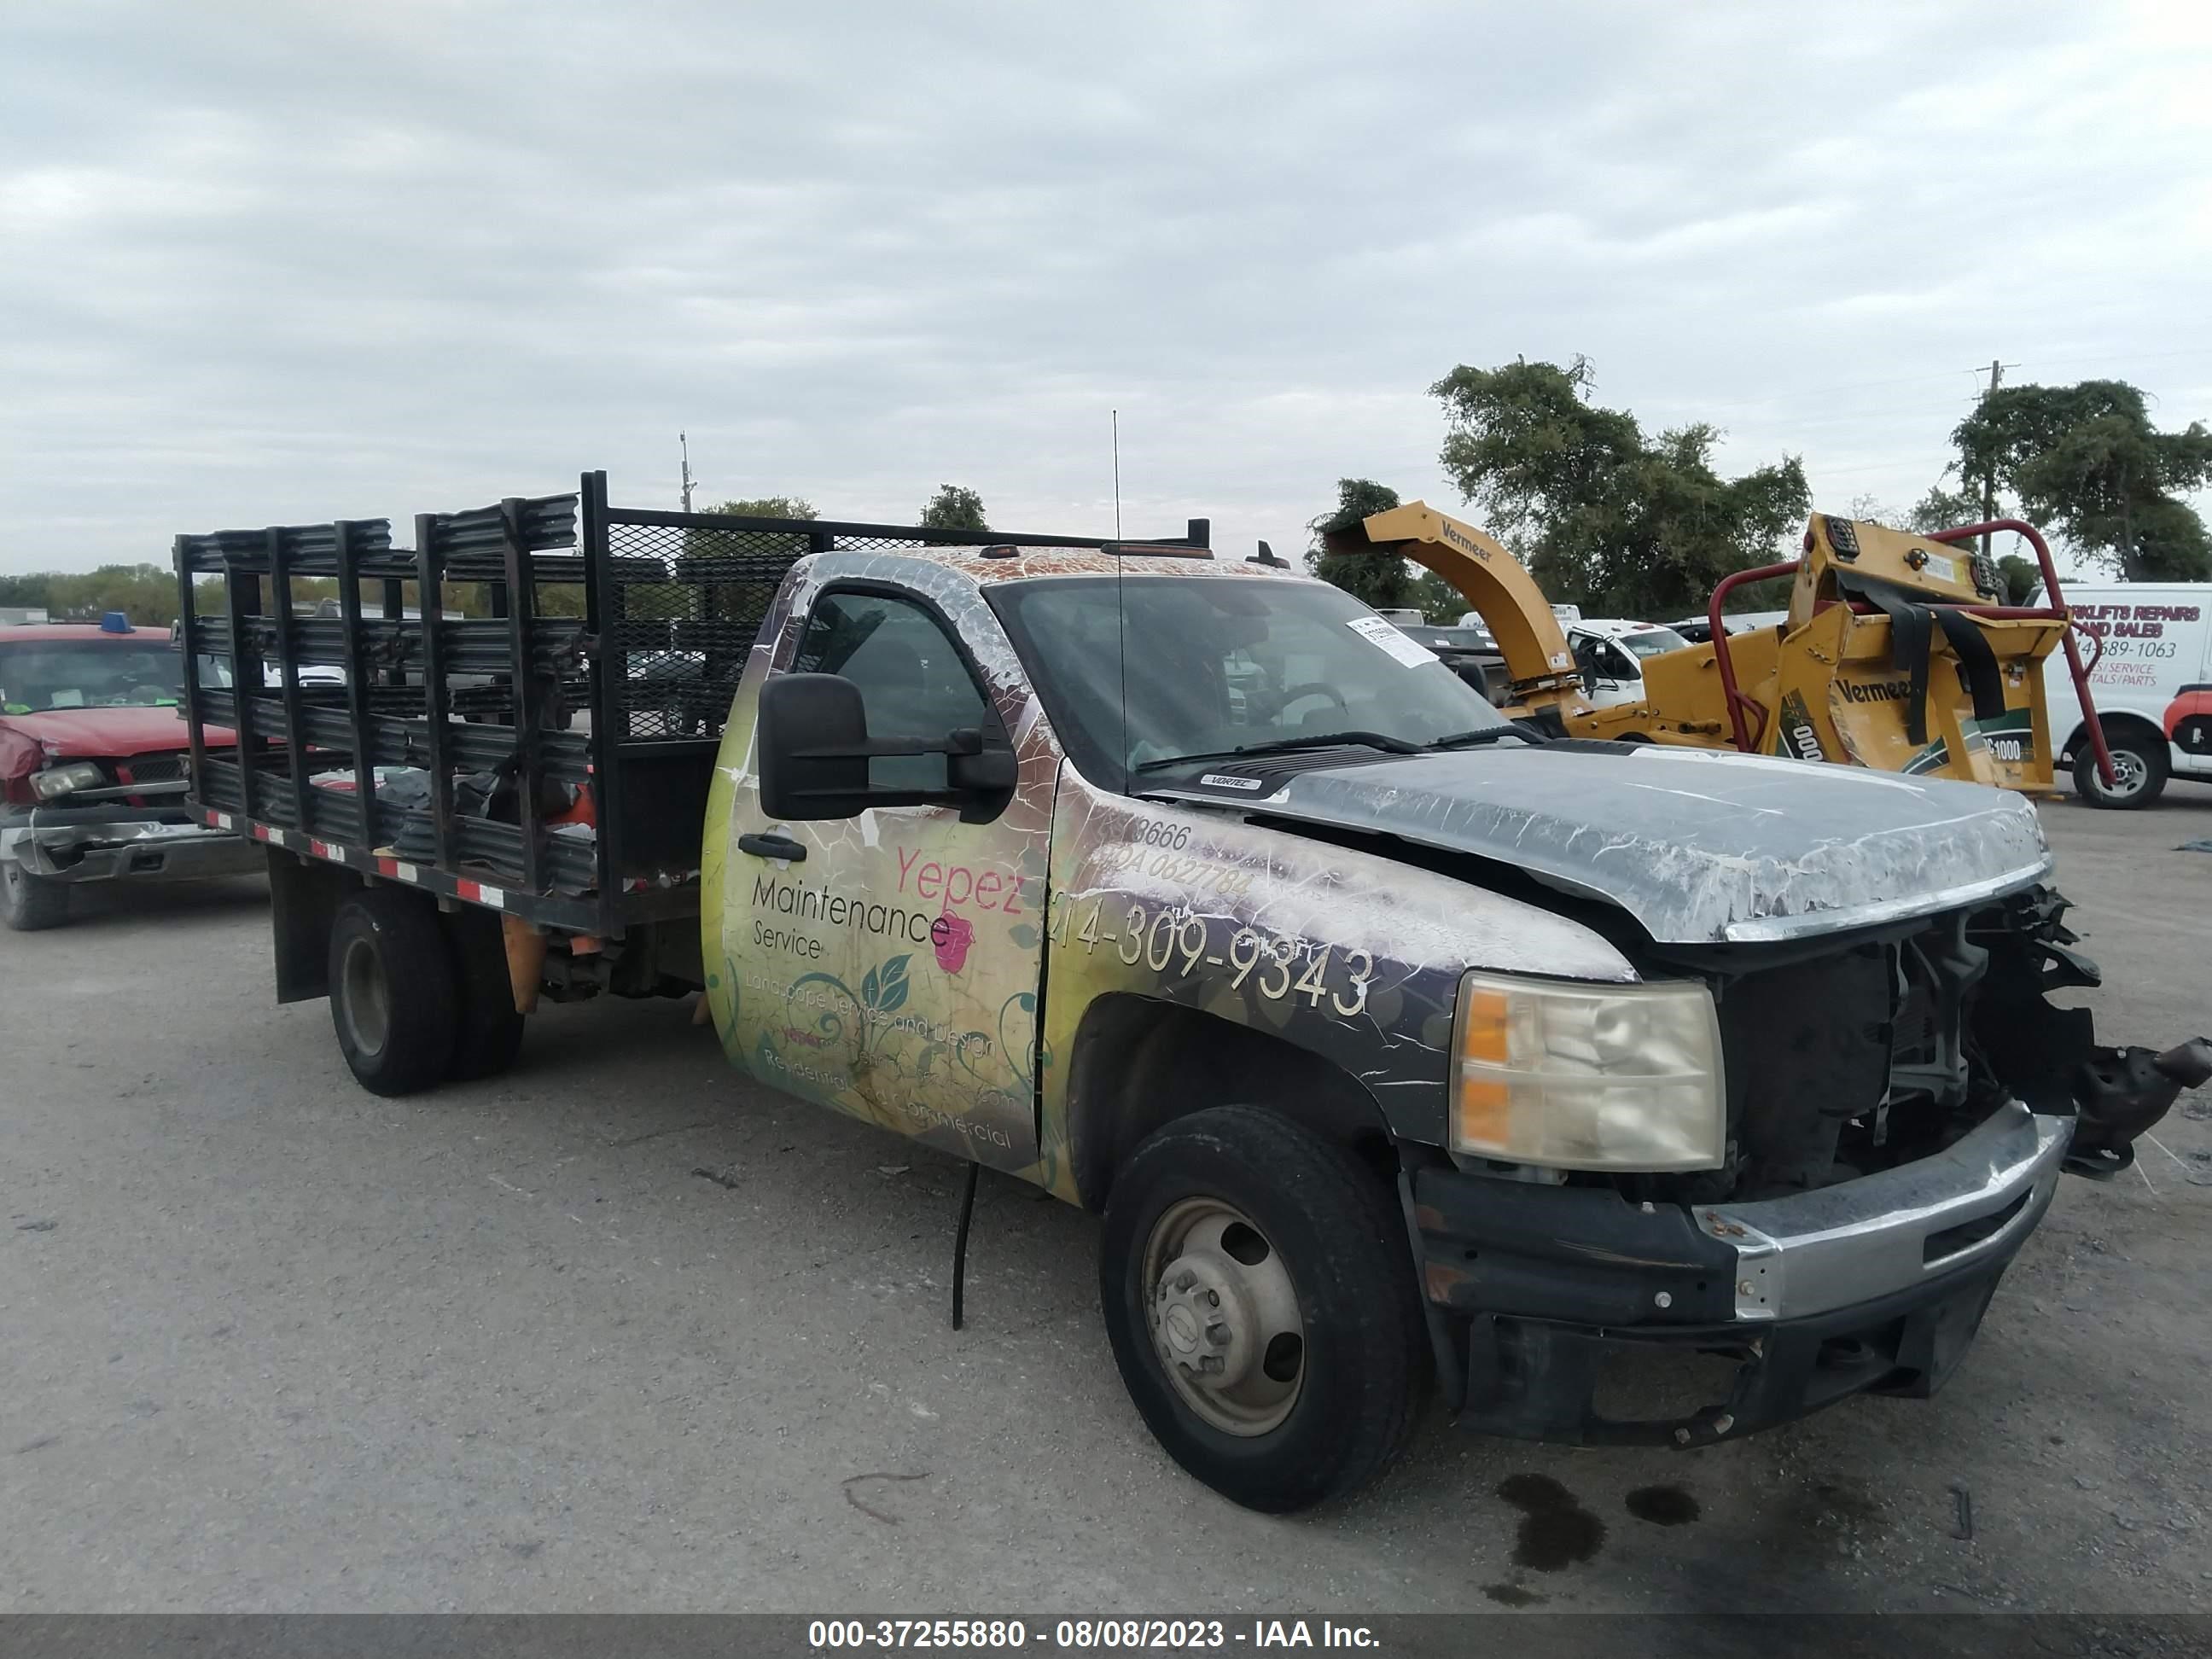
(93, 768)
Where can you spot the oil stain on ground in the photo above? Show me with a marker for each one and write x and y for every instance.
(1663, 1506)
(1511, 1594)
(1556, 1530)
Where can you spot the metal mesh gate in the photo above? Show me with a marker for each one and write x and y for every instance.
(687, 603)
(687, 594)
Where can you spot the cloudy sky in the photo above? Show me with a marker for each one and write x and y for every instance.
(299, 260)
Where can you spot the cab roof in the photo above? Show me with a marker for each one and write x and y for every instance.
(985, 565)
(82, 632)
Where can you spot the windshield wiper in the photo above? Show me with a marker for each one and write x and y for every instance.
(1381, 740)
(1482, 734)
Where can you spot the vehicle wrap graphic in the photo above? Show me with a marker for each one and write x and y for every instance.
(1074, 894)
(893, 972)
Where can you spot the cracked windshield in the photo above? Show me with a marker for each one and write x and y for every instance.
(1220, 667)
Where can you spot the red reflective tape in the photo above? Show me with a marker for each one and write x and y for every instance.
(388, 866)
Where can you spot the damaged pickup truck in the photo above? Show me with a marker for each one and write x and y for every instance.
(92, 769)
(1395, 1044)
(1392, 1039)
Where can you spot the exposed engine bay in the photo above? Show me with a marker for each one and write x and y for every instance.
(1848, 1059)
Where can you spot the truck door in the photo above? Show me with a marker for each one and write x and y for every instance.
(1609, 674)
(2189, 716)
(893, 970)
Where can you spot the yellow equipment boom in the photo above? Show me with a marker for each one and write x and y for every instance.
(1895, 654)
(1496, 584)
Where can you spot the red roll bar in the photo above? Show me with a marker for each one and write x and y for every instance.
(1735, 699)
(2055, 609)
(1748, 735)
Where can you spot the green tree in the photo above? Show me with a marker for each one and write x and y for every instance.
(702, 543)
(29, 589)
(1437, 599)
(768, 507)
(147, 593)
(953, 507)
(2018, 576)
(2086, 461)
(1376, 578)
(1946, 510)
(741, 601)
(1605, 517)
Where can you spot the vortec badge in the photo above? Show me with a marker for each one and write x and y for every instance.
(1223, 781)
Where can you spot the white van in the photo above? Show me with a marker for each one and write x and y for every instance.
(2152, 684)
(1610, 651)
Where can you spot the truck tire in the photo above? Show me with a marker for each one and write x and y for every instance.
(490, 1030)
(393, 998)
(2139, 770)
(30, 902)
(1263, 1309)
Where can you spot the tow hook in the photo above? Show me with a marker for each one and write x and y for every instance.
(2121, 1094)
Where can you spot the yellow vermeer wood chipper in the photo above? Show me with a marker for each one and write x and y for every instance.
(1895, 654)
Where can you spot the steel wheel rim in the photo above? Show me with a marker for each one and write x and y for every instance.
(1223, 1315)
(367, 1003)
(2128, 774)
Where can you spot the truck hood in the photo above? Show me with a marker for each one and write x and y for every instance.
(1699, 847)
(106, 733)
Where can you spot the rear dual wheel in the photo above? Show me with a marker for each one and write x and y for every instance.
(1260, 1296)
(419, 998)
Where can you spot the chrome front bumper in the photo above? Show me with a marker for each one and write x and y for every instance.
(1903, 1229)
(108, 844)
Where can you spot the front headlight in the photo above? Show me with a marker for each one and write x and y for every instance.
(1588, 1077)
(57, 780)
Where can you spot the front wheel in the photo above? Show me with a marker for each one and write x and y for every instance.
(30, 902)
(1261, 1300)
(2139, 769)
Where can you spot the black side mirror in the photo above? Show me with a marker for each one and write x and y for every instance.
(813, 738)
(814, 746)
(972, 769)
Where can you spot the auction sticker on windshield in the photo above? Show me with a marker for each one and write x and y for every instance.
(1376, 632)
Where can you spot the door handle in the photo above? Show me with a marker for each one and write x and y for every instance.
(772, 846)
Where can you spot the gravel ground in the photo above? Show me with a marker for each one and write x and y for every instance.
(621, 1331)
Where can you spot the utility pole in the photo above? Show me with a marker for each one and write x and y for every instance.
(1990, 476)
(684, 444)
